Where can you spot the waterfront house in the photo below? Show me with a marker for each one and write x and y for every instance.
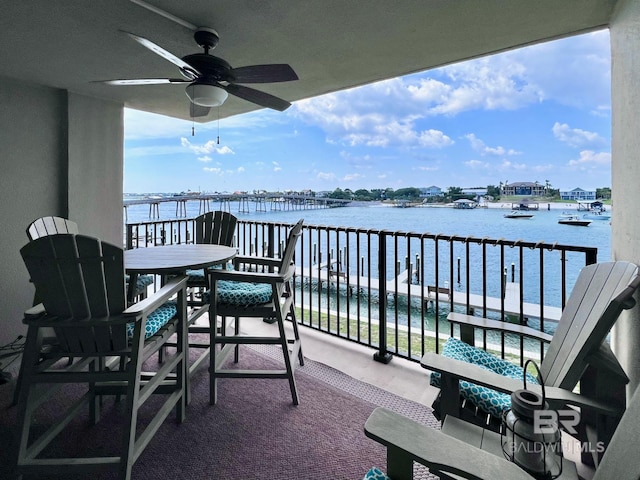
(578, 194)
(431, 191)
(61, 135)
(528, 189)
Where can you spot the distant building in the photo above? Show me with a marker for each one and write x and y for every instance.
(478, 192)
(578, 194)
(531, 189)
(431, 191)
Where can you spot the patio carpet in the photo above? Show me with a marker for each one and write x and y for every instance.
(253, 432)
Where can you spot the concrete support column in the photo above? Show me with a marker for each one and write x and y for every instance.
(625, 102)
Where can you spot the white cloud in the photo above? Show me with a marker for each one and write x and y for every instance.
(481, 147)
(205, 158)
(575, 137)
(216, 170)
(352, 177)
(209, 147)
(591, 158)
(476, 164)
(572, 71)
(276, 166)
(326, 176)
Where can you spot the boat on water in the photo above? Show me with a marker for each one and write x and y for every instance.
(575, 220)
(597, 215)
(518, 214)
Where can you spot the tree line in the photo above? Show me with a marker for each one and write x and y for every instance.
(413, 194)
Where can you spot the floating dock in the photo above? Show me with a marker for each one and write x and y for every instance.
(400, 285)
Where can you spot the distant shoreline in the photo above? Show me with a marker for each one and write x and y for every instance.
(500, 205)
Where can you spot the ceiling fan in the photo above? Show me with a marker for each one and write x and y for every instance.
(211, 79)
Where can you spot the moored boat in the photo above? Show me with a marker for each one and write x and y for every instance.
(574, 220)
(518, 214)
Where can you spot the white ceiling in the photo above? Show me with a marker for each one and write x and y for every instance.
(331, 44)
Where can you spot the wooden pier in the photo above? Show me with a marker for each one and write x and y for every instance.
(400, 285)
(259, 201)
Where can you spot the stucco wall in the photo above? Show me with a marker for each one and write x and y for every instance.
(625, 222)
(32, 184)
(60, 154)
(96, 142)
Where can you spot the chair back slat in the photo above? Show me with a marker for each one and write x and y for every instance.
(215, 228)
(44, 226)
(79, 278)
(598, 297)
(290, 248)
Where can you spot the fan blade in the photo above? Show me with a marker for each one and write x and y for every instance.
(158, 50)
(256, 96)
(277, 72)
(165, 14)
(198, 110)
(145, 81)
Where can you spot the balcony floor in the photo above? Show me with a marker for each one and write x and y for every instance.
(400, 377)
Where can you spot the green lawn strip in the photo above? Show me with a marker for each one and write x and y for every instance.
(349, 329)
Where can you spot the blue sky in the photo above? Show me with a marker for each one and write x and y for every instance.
(534, 114)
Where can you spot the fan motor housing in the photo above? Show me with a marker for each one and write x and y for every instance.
(209, 65)
(207, 38)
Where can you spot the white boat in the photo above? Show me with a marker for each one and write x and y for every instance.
(518, 214)
(575, 220)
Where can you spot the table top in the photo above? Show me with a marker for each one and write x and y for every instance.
(176, 258)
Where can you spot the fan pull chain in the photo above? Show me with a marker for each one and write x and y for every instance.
(218, 125)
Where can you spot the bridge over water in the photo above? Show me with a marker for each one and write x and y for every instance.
(247, 202)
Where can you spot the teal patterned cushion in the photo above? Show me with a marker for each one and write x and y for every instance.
(198, 275)
(375, 474)
(486, 399)
(156, 319)
(142, 283)
(243, 294)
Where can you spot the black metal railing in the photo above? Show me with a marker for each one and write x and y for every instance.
(393, 290)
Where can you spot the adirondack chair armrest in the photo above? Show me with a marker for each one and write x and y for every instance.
(407, 441)
(249, 260)
(561, 397)
(171, 288)
(470, 372)
(258, 277)
(557, 397)
(34, 312)
(488, 324)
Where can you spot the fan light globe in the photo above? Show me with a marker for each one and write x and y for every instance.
(206, 95)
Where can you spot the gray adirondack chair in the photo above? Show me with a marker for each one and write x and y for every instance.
(258, 287)
(80, 281)
(468, 451)
(577, 353)
(51, 225)
(212, 228)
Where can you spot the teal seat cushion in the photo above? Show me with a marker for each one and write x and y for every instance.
(486, 399)
(375, 474)
(156, 319)
(197, 276)
(243, 294)
(142, 282)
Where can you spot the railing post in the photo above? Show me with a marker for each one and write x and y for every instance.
(382, 355)
(129, 236)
